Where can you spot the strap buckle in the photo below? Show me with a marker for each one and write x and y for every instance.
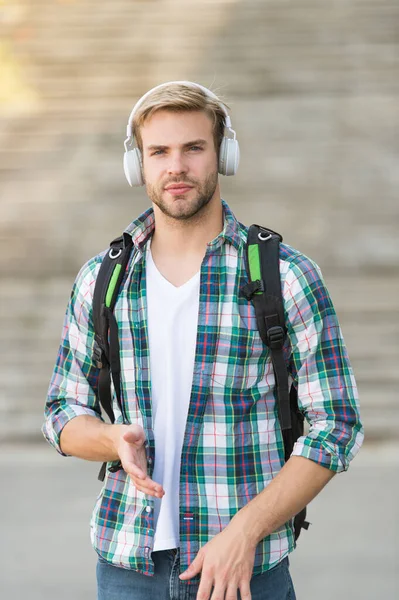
(275, 337)
(98, 355)
(249, 289)
(114, 468)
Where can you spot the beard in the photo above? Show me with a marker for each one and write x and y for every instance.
(180, 207)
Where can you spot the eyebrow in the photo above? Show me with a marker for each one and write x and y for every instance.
(199, 142)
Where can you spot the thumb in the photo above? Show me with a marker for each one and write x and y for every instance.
(194, 568)
(134, 435)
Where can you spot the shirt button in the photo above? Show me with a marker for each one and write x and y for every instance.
(150, 461)
(148, 509)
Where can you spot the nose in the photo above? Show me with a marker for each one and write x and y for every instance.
(177, 164)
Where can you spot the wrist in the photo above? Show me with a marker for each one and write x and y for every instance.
(114, 435)
(248, 520)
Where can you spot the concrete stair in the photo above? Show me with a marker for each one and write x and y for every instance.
(313, 88)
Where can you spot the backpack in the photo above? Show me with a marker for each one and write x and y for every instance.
(263, 290)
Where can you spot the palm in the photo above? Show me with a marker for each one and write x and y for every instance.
(133, 456)
(132, 451)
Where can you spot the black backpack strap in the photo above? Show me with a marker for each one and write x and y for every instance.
(106, 347)
(264, 291)
(262, 256)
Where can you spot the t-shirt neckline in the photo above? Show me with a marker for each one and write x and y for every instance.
(189, 283)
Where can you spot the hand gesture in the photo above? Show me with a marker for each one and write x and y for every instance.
(132, 453)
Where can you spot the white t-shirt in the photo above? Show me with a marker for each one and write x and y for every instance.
(172, 314)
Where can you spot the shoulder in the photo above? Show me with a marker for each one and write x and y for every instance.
(294, 265)
(303, 287)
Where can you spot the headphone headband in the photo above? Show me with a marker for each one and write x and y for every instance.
(129, 129)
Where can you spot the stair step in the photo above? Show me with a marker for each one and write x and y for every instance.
(322, 75)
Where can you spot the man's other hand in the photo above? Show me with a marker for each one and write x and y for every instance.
(226, 565)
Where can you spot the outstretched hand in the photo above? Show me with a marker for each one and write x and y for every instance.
(132, 453)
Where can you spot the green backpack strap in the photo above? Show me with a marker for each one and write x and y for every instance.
(106, 345)
(262, 257)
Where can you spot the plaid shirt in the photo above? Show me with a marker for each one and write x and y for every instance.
(233, 444)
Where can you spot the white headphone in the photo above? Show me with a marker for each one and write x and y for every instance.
(229, 153)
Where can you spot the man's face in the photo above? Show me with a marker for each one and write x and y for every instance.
(180, 162)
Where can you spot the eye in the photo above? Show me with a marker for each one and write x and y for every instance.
(157, 152)
(195, 148)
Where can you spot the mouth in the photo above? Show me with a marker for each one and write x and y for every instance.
(176, 189)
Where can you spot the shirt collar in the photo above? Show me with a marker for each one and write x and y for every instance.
(143, 227)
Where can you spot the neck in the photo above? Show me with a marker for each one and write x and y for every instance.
(174, 237)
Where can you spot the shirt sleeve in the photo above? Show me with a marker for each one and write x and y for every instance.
(321, 371)
(74, 382)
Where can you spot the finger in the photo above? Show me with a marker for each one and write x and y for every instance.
(231, 591)
(193, 569)
(205, 588)
(148, 482)
(148, 485)
(245, 590)
(219, 591)
(134, 471)
(134, 436)
(150, 492)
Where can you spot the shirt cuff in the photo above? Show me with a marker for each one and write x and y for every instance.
(325, 454)
(55, 423)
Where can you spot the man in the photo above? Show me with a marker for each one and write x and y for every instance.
(202, 506)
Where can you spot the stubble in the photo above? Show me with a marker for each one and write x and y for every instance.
(183, 207)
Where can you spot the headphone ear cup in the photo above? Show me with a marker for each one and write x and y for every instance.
(132, 166)
(229, 156)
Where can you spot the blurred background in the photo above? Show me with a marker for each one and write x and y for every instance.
(313, 88)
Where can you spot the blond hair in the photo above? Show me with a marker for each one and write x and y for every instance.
(177, 97)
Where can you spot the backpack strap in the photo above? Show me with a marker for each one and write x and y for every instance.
(264, 291)
(262, 257)
(106, 339)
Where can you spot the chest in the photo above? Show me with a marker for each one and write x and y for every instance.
(220, 324)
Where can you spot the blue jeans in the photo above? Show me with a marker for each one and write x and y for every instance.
(114, 583)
